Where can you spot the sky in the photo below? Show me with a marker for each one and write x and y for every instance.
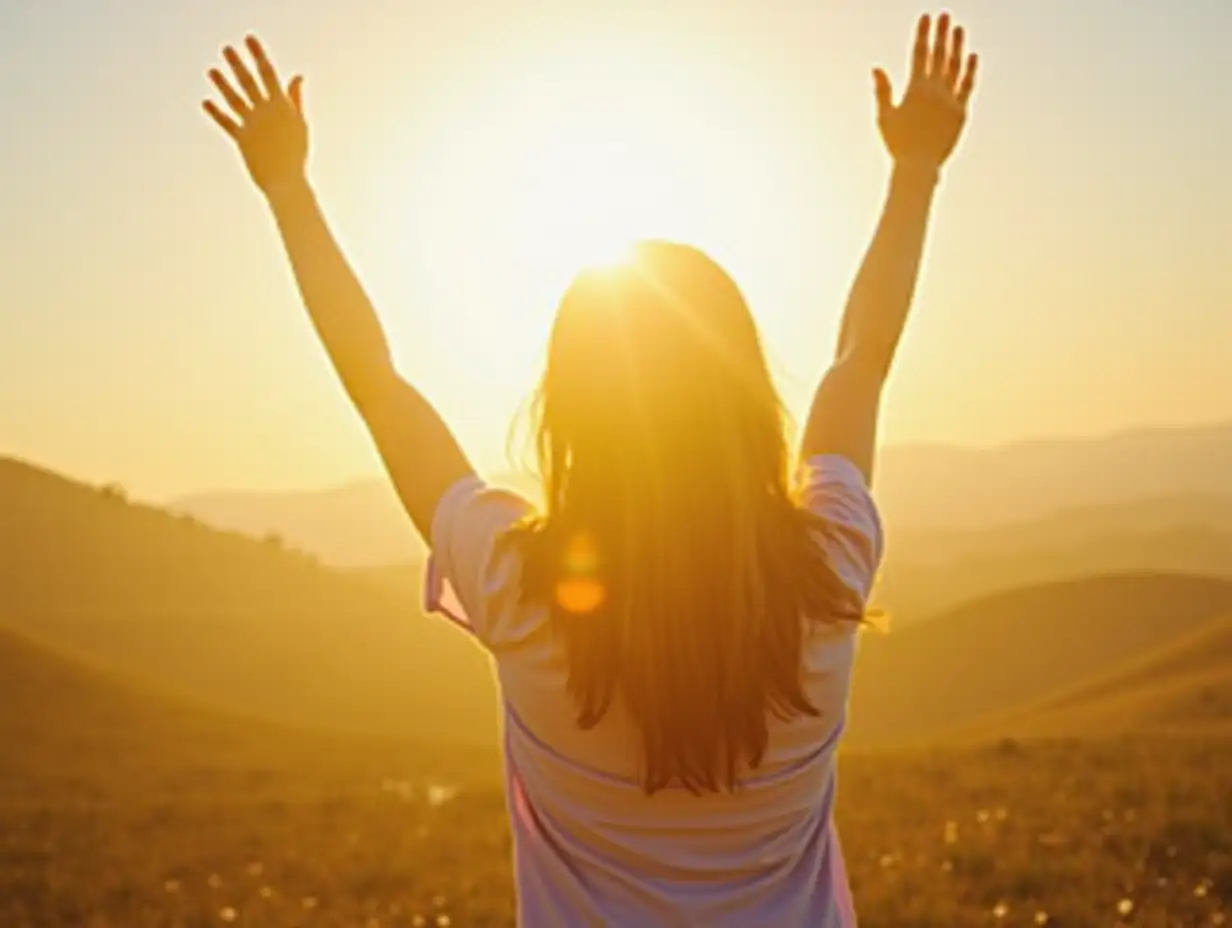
(1077, 279)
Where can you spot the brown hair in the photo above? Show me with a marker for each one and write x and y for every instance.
(678, 569)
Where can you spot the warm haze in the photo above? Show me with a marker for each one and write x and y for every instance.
(222, 697)
(471, 155)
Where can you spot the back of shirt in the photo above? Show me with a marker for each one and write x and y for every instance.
(590, 847)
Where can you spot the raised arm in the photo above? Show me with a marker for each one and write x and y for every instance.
(267, 123)
(920, 133)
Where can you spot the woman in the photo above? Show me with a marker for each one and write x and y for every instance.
(674, 634)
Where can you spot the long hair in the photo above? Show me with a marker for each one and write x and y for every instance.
(679, 572)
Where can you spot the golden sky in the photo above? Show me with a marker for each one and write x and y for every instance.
(470, 154)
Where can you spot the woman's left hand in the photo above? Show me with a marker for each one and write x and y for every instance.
(264, 120)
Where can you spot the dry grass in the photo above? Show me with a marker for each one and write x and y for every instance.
(123, 807)
(1070, 831)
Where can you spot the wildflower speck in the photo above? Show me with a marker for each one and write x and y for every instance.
(442, 921)
(1000, 910)
(951, 832)
(1041, 918)
(438, 794)
(228, 914)
(215, 881)
(172, 886)
(1125, 907)
(309, 902)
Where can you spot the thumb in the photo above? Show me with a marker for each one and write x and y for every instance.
(882, 90)
(295, 90)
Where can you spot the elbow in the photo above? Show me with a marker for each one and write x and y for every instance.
(369, 391)
(868, 361)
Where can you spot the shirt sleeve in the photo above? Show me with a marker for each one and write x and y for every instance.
(835, 491)
(467, 580)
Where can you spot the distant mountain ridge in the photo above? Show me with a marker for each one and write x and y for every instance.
(920, 488)
(938, 487)
(359, 524)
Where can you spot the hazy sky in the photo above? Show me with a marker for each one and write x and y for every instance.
(1078, 280)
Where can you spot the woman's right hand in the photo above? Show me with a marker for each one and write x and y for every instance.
(265, 121)
(924, 127)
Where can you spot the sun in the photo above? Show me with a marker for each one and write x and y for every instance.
(516, 180)
(506, 212)
(543, 166)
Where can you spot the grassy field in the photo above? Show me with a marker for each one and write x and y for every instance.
(1081, 833)
(122, 806)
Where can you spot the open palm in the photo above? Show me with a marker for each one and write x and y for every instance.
(925, 126)
(264, 120)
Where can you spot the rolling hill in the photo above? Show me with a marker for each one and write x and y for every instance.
(55, 704)
(921, 488)
(1185, 685)
(230, 620)
(1005, 651)
(254, 627)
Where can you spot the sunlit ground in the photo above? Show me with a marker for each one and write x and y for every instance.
(1059, 834)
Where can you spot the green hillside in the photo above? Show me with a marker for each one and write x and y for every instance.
(227, 619)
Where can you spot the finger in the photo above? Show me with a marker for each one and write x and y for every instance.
(919, 54)
(968, 84)
(956, 58)
(941, 47)
(883, 91)
(269, 77)
(296, 92)
(243, 75)
(225, 122)
(239, 106)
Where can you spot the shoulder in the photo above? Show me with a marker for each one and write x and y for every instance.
(473, 575)
(834, 490)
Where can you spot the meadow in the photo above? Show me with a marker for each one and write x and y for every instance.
(233, 824)
(206, 729)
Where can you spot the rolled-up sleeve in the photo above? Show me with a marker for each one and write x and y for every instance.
(836, 492)
(464, 575)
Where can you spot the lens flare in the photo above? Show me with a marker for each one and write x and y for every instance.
(580, 595)
(580, 591)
